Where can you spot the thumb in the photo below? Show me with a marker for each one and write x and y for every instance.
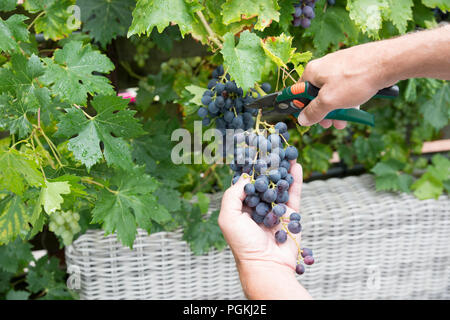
(232, 200)
(315, 111)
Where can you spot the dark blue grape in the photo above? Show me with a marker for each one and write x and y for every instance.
(206, 99)
(297, 22)
(237, 122)
(252, 201)
(206, 121)
(282, 185)
(266, 87)
(280, 236)
(298, 12)
(300, 269)
(279, 210)
(308, 260)
(274, 175)
(289, 178)
(283, 172)
(261, 185)
(213, 108)
(306, 252)
(282, 197)
(270, 195)
(285, 164)
(249, 189)
(308, 12)
(257, 218)
(294, 216)
(305, 23)
(235, 179)
(262, 209)
(202, 112)
(212, 83)
(286, 136)
(281, 127)
(270, 220)
(220, 102)
(228, 116)
(294, 227)
(219, 88)
(291, 153)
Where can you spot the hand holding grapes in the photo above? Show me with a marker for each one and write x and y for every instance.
(254, 247)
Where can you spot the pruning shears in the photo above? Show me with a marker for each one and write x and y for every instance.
(291, 100)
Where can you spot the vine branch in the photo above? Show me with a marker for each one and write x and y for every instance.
(211, 33)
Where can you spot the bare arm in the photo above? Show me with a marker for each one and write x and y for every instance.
(371, 67)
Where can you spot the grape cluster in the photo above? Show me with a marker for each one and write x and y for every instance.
(265, 156)
(65, 225)
(225, 103)
(304, 13)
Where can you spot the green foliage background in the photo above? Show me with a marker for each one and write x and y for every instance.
(68, 143)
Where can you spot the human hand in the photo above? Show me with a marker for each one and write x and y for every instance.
(254, 244)
(346, 78)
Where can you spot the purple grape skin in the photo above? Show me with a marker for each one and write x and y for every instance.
(300, 269)
(279, 210)
(285, 164)
(283, 172)
(305, 23)
(270, 195)
(280, 236)
(289, 178)
(235, 179)
(261, 185)
(295, 216)
(309, 260)
(298, 12)
(282, 197)
(308, 12)
(270, 220)
(252, 201)
(257, 218)
(281, 127)
(291, 153)
(306, 252)
(282, 185)
(262, 209)
(274, 175)
(294, 227)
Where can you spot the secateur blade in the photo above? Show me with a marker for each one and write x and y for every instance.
(265, 103)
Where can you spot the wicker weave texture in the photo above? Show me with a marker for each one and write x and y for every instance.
(367, 245)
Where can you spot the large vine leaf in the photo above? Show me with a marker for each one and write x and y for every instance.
(367, 14)
(112, 119)
(245, 61)
(56, 20)
(389, 177)
(12, 31)
(330, 28)
(286, 10)
(50, 197)
(160, 13)
(13, 219)
(431, 183)
(8, 5)
(444, 5)
(131, 205)
(400, 12)
(15, 256)
(18, 170)
(436, 111)
(106, 19)
(70, 74)
(266, 10)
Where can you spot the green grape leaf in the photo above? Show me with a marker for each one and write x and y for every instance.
(278, 49)
(17, 295)
(17, 171)
(266, 10)
(55, 19)
(202, 234)
(197, 92)
(203, 202)
(160, 13)
(50, 197)
(400, 12)
(368, 149)
(47, 277)
(132, 204)
(410, 92)
(422, 15)
(436, 111)
(13, 31)
(8, 5)
(317, 156)
(13, 219)
(106, 19)
(287, 9)
(388, 177)
(113, 118)
(15, 256)
(5, 280)
(441, 167)
(444, 5)
(330, 28)
(367, 14)
(427, 187)
(70, 73)
(245, 61)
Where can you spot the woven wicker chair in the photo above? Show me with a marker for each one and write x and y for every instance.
(367, 245)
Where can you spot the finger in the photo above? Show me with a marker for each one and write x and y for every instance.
(232, 199)
(296, 187)
(339, 124)
(315, 111)
(326, 123)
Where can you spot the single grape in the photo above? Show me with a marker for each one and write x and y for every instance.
(308, 260)
(291, 153)
(305, 23)
(266, 87)
(283, 172)
(249, 189)
(294, 227)
(274, 175)
(219, 88)
(300, 269)
(306, 252)
(298, 12)
(308, 12)
(285, 164)
(281, 127)
(262, 209)
(289, 178)
(206, 99)
(282, 185)
(279, 210)
(206, 121)
(261, 185)
(257, 218)
(212, 83)
(270, 220)
(270, 195)
(282, 197)
(202, 112)
(294, 216)
(281, 236)
(235, 179)
(252, 201)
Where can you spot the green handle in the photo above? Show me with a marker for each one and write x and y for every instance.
(305, 92)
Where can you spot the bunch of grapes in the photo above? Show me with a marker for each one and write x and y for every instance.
(225, 103)
(265, 156)
(304, 13)
(65, 225)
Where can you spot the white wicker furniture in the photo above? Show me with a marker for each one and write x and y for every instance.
(367, 245)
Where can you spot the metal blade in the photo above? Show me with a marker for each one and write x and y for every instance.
(264, 102)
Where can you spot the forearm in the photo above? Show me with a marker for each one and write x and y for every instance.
(270, 281)
(421, 54)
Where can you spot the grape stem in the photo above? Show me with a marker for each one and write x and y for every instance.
(211, 33)
(90, 181)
